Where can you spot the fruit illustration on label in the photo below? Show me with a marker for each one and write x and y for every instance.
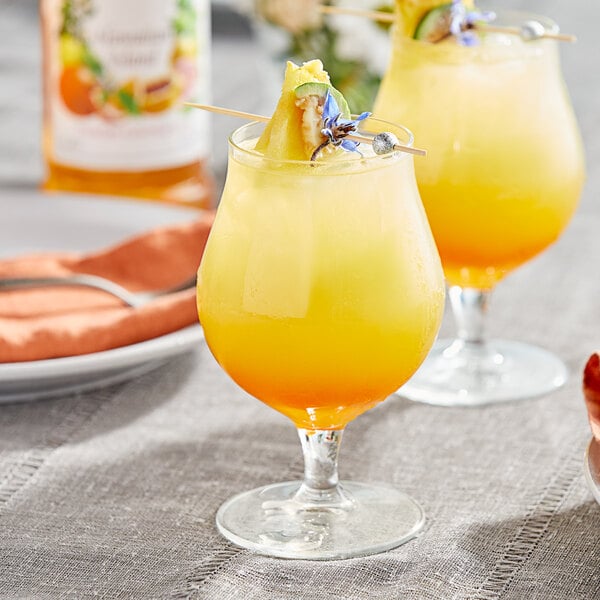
(87, 85)
(78, 88)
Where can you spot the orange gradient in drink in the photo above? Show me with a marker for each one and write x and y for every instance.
(505, 164)
(320, 290)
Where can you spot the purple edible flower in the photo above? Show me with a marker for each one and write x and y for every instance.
(336, 128)
(462, 22)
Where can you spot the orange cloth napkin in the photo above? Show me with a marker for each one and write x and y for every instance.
(53, 322)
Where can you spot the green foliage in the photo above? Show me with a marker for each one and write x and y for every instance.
(352, 78)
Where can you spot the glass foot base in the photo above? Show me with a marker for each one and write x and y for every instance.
(455, 375)
(271, 521)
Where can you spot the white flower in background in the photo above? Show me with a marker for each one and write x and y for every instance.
(354, 49)
(293, 15)
(361, 39)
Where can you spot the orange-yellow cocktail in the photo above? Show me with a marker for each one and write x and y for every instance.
(503, 176)
(505, 165)
(320, 292)
(320, 289)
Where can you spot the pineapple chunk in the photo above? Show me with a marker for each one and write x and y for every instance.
(285, 136)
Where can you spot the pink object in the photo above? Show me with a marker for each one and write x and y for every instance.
(591, 392)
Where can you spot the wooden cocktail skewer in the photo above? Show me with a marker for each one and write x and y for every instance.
(252, 117)
(373, 15)
(384, 17)
(561, 37)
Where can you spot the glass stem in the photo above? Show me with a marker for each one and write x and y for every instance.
(469, 306)
(320, 486)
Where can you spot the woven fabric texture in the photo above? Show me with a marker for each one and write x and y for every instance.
(113, 494)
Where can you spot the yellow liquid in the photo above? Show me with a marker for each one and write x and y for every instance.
(505, 165)
(320, 290)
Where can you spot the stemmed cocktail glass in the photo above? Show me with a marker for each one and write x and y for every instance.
(502, 179)
(320, 292)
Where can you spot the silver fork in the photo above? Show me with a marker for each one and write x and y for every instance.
(132, 299)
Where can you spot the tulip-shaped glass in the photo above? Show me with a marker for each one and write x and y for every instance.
(320, 292)
(502, 179)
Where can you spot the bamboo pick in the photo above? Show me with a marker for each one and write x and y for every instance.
(252, 117)
(384, 17)
(561, 37)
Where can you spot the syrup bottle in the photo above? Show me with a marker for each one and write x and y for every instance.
(116, 74)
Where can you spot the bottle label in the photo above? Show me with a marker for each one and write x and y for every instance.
(118, 74)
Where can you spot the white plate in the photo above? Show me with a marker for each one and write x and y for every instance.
(33, 222)
(591, 467)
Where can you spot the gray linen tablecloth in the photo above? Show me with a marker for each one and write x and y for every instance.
(113, 493)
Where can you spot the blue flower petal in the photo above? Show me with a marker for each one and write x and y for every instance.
(335, 127)
(478, 16)
(330, 108)
(354, 122)
(349, 145)
(456, 25)
(468, 38)
(461, 19)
